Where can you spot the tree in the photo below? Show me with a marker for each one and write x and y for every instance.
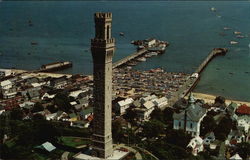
(157, 114)
(243, 150)
(178, 137)
(208, 124)
(153, 128)
(62, 101)
(168, 114)
(16, 114)
(222, 130)
(37, 107)
(130, 116)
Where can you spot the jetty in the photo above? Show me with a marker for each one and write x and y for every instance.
(143, 47)
(129, 58)
(192, 81)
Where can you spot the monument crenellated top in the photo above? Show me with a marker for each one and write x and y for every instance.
(103, 15)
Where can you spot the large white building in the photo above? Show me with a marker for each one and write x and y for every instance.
(122, 105)
(190, 118)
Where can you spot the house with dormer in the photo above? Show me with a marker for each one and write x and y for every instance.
(190, 118)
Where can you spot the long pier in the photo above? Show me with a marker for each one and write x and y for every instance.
(190, 84)
(129, 58)
(215, 52)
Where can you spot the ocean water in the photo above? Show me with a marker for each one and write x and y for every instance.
(63, 31)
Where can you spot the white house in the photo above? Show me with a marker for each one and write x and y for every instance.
(121, 106)
(5, 85)
(5, 72)
(51, 116)
(196, 145)
(160, 102)
(243, 123)
(27, 105)
(148, 98)
(190, 118)
(143, 113)
(235, 157)
(47, 95)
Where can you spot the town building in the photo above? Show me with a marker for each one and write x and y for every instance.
(122, 105)
(190, 118)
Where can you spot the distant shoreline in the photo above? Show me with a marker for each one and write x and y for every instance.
(208, 98)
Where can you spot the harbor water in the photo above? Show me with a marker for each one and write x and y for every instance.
(40, 32)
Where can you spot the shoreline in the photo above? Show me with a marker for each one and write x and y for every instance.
(209, 98)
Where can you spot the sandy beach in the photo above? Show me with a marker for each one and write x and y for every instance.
(210, 99)
(39, 74)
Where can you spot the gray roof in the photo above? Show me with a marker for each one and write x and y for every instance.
(195, 112)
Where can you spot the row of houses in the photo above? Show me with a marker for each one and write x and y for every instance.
(142, 106)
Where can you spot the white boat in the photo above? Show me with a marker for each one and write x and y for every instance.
(154, 53)
(240, 36)
(142, 59)
(237, 32)
(227, 28)
(213, 9)
(234, 42)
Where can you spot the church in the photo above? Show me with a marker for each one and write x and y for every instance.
(190, 118)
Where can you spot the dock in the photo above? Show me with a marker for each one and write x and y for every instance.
(193, 80)
(129, 58)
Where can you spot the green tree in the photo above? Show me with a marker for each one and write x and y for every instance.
(243, 150)
(178, 138)
(222, 130)
(37, 107)
(157, 114)
(16, 114)
(130, 116)
(153, 128)
(168, 114)
(62, 101)
(208, 124)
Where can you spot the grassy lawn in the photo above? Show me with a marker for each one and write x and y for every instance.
(73, 141)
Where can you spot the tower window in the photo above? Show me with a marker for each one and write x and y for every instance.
(107, 32)
(191, 125)
(179, 124)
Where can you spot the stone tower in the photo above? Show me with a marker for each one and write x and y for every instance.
(102, 48)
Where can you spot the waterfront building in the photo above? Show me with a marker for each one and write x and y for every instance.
(102, 48)
(190, 118)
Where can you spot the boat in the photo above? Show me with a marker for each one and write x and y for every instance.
(142, 59)
(227, 28)
(234, 42)
(213, 9)
(132, 63)
(121, 34)
(240, 36)
(34, 43)
(56, 66)
(237, 32)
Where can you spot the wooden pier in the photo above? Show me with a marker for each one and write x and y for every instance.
(190, 84)
(129, 58)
